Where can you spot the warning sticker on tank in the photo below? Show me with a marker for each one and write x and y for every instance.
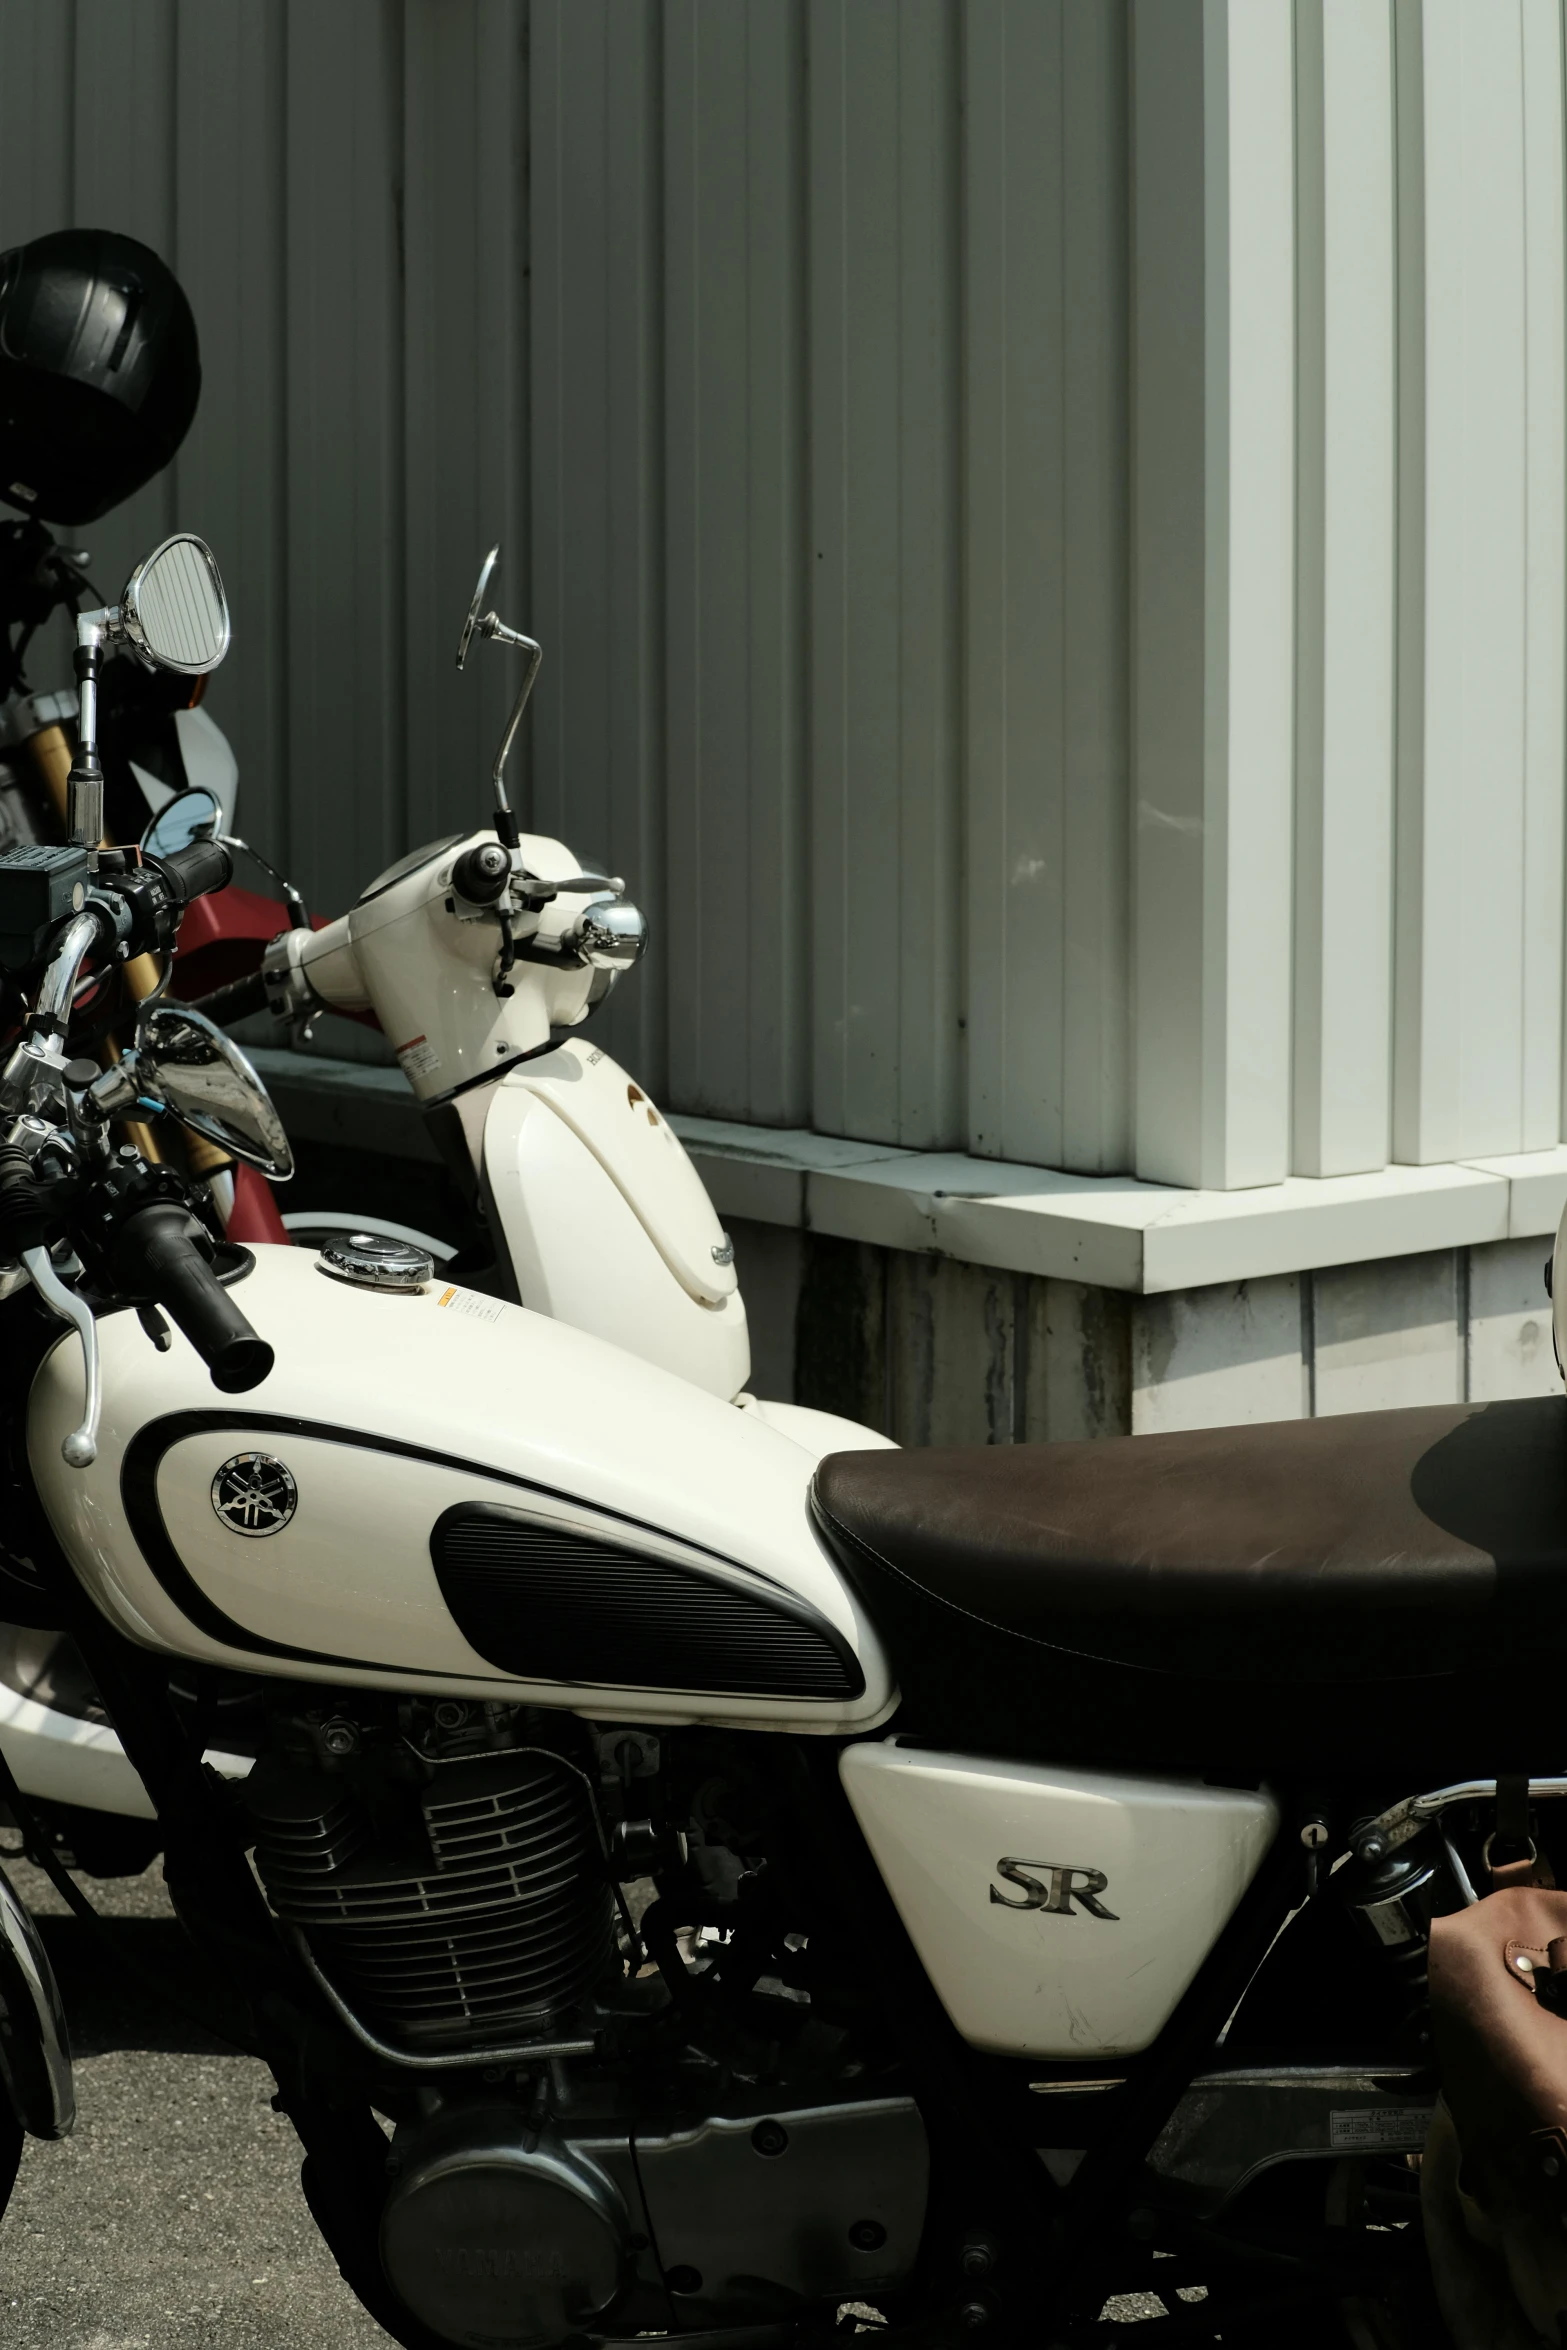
(1382, 2129)
(418, 1057)
(468, 1301)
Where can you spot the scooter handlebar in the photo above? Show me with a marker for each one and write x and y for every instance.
(237, 1001)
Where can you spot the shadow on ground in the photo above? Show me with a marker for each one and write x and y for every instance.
(172, 2219)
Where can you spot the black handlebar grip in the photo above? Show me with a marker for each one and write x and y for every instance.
(158, 1254)
(236, 1001)
(195, 871)
(482, 872)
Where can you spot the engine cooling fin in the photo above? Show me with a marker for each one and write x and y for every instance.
(544, 1602)
(475, 1905)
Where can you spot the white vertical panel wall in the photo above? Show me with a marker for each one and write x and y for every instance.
(1545, 584)
(1346, 557)
(1213, 439)
(1474, 806)
(1399, 194)
(1046, 519)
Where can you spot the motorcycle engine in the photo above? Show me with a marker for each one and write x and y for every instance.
(725, 2155)
(445, 1873)
(495, 2232)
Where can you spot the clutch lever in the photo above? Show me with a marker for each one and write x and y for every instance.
(80, 1448)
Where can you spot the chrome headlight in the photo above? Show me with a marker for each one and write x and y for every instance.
(610, 934)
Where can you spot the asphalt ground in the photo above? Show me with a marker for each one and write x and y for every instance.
(173, 2218)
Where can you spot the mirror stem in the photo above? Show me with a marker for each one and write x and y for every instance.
(298, 911)
(84, 800)
(496, 630)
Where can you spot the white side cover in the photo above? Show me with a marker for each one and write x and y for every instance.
(607, 1223)
(576, 1432)
(62, 1760)
(1021, 1962)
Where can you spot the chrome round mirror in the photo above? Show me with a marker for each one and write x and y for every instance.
(611, 935)
(189, 816)
(186, 1066)
(174, 610)
(477, 606)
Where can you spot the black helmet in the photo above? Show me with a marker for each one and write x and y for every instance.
(99, 372)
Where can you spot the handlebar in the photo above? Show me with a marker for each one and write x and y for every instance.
(158, 1254)
(235, 1001)
(195, 871)
(481, 874)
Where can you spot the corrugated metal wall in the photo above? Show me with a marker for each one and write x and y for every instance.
(341, 186)
(1045, 517)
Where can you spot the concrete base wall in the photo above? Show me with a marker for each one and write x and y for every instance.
(932, 1351)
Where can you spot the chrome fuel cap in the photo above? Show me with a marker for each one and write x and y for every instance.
(371, 1260)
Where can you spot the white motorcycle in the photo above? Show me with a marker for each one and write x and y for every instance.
(479, 956)
(686, 1891)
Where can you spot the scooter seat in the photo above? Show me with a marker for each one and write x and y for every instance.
(1309, 1592)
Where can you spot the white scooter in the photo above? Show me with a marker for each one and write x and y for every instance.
(688, 1892)
(479, 955)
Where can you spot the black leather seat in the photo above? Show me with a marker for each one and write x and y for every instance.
(1316, 1593)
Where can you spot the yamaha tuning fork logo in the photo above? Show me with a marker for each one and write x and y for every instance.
(254, 1494)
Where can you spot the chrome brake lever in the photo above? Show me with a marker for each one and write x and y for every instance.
(80, 1448)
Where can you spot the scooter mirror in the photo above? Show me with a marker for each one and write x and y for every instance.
(173, 608)
(190, 1069)
(490, 624)
(189, 816)
(477, 606)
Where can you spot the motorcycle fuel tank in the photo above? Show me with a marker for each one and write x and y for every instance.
(439, 1490)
